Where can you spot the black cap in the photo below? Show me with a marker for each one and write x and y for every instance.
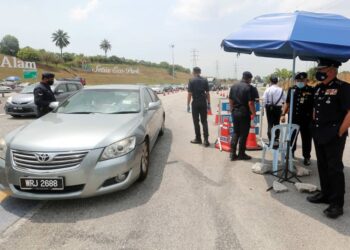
(301, 76)
(197, 70)
(247, 75)
(47, 75)
(274, 79)
(325, 63)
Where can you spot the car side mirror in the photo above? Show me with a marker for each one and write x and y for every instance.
(60, 91)
(153, 105)
(53, 105)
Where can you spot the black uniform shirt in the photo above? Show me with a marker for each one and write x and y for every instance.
(302, 103)
(331, 104)
(254, 93)
(241, 95)
(43, 96)
(198, 86)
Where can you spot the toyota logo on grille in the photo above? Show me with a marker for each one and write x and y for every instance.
(43, 157)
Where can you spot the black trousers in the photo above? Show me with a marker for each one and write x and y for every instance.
(330, 168)
(273, 115)
(199, 111)
(306, 138)
(241, 126)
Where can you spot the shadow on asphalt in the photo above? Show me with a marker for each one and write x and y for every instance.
(297, 201)
(70, 211)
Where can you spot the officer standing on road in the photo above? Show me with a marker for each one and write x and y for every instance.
(43, 94)
(273, 99)
(302, 113)
(242, 107)
(331, 120)
(198, 90)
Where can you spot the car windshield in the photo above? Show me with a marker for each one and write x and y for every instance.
(106, 101)
(28, 89)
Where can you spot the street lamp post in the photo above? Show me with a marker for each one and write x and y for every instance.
(172, 55)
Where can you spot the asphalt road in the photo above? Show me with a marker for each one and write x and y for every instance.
(193, 198)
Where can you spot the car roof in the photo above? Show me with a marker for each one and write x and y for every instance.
(116, 86)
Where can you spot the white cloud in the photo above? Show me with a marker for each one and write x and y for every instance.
(201, 10)
(80, 13)
(206, 9)
(319, 5)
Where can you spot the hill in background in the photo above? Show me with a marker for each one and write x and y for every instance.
(117, 73)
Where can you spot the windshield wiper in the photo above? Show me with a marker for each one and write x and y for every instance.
(80, 113)
(125, 112)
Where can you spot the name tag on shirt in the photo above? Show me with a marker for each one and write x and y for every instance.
(331, 92)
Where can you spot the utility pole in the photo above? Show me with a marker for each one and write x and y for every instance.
(172, 46)
(236, 70)
(194, 57)
(217, 70)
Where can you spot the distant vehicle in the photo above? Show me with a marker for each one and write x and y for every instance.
(74, 79)
(22, 104)
(158, 89)
(5, 88)
(168, 88)
(96, 142)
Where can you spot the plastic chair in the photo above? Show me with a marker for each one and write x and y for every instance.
(281, 148)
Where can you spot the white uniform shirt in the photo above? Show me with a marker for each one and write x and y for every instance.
(272, 94)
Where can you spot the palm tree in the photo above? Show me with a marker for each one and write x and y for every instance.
(60, 38)
(105, 46)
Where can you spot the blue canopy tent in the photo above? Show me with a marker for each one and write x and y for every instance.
(309, 36)
(306, 35)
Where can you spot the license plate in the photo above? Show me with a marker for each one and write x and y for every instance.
(18, 108)
(41, 183)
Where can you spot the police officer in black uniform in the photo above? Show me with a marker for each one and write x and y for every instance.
(43, 94)
(331, 120)
(242, 107)
(198, 90)
(302, 113)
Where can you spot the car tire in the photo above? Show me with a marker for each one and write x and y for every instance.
(144, 165)
(162, 129)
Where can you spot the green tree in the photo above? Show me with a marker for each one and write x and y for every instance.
(311, 74)
(61, 39)
(47, 57)
(9, 45)
(105, 46)
(28, 54)
(283, 74)
(57, 60)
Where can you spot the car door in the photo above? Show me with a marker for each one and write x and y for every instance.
(158, 117)
(150, 117)
(72, 88)
(61, 92)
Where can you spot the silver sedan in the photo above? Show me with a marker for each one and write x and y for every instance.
(97, 141)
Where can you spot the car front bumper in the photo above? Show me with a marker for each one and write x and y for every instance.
(90, 178)
(21, 109)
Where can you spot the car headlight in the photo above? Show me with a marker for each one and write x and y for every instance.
(9, 100)
(119, 148)
(3, 148)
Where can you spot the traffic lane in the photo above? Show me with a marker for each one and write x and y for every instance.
(171, 209)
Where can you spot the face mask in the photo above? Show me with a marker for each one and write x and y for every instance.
(321, 76)
(300, 85)
(50, 82)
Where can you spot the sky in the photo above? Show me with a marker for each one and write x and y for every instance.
(145, 29)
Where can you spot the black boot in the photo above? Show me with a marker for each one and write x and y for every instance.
(206, 143)
(197, 141)
(307, 162)
(244, 157)
(333, 211)
(318, 198)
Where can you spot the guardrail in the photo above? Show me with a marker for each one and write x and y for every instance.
(3, 92)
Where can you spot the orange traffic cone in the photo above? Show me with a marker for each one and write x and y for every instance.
(251, 140)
